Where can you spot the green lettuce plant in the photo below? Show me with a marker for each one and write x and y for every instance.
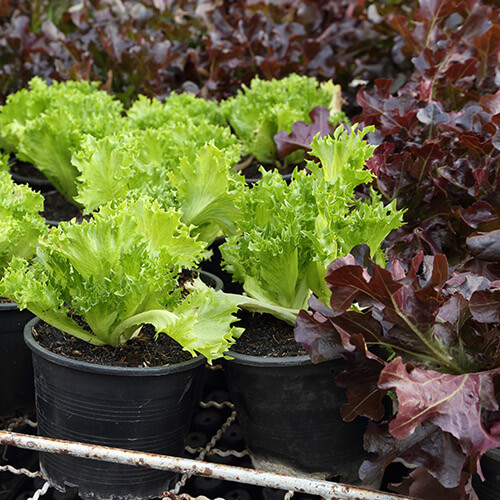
(119, 271)
(152, 113)
(46, 124)
(188, 166)
(265, 108)
(29, 103)
(289, 234)
(21, 224)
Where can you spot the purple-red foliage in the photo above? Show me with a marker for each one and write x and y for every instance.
(156, 46)
(439, 134)
(438, 353)
(344, 40)
(302, 134)
(148, 47)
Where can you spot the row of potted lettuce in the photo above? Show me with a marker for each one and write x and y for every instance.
(93, 151)
(104, 278)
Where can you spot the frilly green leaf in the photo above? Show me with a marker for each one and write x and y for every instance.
(177, 108)
(342, 157)
(21, 225)
(207, 192)
(118, 271)
(260, 111)
(51, 136)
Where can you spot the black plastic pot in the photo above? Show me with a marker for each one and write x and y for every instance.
(16, 371)
(289, 412)
(490, 465)
(143, 409)
(36, 184)
(41, 185)
(213, 266)
(253, 180)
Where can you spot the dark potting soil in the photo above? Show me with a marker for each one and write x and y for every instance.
(26, 170)
(141, 351)
(58, 208)
(266, 336)
(5, 300)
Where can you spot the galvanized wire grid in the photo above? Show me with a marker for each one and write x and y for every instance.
(200, 452)
(175, 492)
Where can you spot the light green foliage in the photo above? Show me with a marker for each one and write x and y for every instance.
(46, 124)
(260, 111)
(188, 166)
(151, 113)
(291, 233)
(342, 157)
(28, 104)
(21, 225)
(206, 192)
(119, 271)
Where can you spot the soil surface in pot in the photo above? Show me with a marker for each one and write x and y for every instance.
(266, 336)
(58, 208)
(5, 300)
(26, 170)
(140, 352)
(249, 166)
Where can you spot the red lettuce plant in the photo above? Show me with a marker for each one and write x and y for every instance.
(152, 47)
(340, 40)
(302, 134)
(439, 135)
(149, 47)
(431, 340)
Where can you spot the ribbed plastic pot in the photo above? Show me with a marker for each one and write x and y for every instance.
(490, 465)
(16, 370)
(289, 412)
(142, 409)
(41, 185)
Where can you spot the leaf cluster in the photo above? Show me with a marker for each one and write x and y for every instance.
(429, 336)
(439, 135)
(133, 47)
(45, 124)
(291, 232)
(103, 279)
(186, 165)
(265, 108)
(21, 224)
(343, 41)
(155, 47)
(177, 107)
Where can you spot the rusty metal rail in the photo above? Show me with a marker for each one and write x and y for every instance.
(328, 490)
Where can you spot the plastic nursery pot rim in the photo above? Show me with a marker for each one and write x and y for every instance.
(254, 180)
(32, 181)
(124, 371)
(248, 360)
(8, 306)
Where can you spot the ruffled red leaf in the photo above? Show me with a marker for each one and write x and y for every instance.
(303, 134)
(453, 402)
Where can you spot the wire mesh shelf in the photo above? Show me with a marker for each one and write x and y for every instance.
(224, 464)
